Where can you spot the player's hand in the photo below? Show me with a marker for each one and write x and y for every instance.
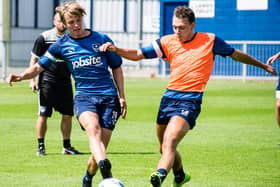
(273, 58)
(270, 69)
(13, 78)
(123, 107)
(33, 85)
(108, 46)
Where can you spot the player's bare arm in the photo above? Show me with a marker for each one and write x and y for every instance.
(247, 59)
(273, 58)
(29, 73)
(119, 80)
(130, 54)
(33, 84)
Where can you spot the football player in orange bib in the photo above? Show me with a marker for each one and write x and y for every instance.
(191, 58)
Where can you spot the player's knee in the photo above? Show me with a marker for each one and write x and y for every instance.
(168, 146)
(92, 129)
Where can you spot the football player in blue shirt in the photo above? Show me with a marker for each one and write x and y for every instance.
(270, 61)
(99, 99)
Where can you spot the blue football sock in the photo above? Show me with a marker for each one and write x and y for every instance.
(163, 173)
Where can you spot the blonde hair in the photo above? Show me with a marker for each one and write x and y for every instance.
(70, 7)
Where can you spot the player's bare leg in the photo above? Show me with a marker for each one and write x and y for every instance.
(41, 129)
(174, 132)
(98, 141)
(92, 164)
(169, 137)
(180, 177)
(41, 126)
(66, 128)
(278, 111)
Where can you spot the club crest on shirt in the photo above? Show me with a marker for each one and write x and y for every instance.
(71, 50)
(95, 47)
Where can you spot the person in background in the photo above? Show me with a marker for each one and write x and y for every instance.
(191, 58)
(100, 99)
(55, 90)
(277, 113)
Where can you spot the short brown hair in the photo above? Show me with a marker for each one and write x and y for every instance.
(184, 12)
(70, 7)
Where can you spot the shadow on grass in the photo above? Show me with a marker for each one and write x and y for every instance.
(132, 153)
(56, 154)
(109, 153)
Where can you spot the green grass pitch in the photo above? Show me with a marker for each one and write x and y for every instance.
(234, 143)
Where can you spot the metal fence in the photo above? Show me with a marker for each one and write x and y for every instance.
(261, 50)
(133, 24)
(223, 67)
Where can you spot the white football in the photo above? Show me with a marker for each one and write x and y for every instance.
(111, 182)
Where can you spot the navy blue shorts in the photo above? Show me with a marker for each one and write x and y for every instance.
(106, 107)
(187, 109)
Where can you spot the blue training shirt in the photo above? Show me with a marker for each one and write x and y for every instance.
(89, 66)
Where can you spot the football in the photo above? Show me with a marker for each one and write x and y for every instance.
(111, 182)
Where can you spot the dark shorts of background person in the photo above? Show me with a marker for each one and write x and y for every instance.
(55, 96)
(187, 109)
(278, 84)
(107, 107)
(277, 93)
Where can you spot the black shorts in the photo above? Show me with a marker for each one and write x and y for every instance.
(55, 96)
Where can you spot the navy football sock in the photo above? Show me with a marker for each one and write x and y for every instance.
(88, 177)
(179, 175)
(163, 173)
(41, 143)
(105, 168)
